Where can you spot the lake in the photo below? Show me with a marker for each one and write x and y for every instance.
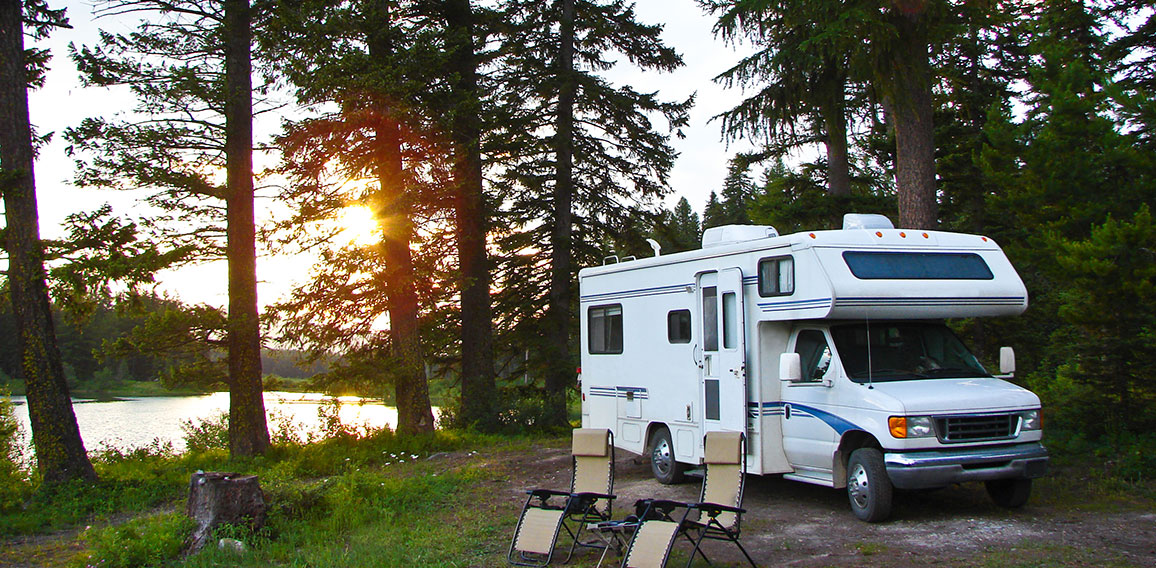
(136, 422)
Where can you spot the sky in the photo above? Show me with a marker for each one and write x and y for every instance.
(699, 169)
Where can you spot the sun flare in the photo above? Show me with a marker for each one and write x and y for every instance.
(359, 225)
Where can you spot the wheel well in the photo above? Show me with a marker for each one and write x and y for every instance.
(852, 440)
(650, 430)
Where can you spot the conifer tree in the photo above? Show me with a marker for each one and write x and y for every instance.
(60, 453)
(366, 59)
(587, 153)
(471, 216)
(190, 69)
(801, 74)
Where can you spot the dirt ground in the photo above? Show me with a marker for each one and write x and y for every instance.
(795, 524)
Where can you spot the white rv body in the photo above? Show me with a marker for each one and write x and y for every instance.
(752, 296)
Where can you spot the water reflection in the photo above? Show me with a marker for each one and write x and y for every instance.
(136, 422)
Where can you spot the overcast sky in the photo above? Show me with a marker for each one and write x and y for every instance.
(699, 169)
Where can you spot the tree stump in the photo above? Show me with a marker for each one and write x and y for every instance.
(224, 498)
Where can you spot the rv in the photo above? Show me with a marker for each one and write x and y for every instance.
(827, 349)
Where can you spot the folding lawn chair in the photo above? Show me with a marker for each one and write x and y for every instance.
(717, 515)
(590, 500)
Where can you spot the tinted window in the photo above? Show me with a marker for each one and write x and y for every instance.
(900, 351)
(710, 318)
(605, 325)
(917, 265)
(777, 276)
(730, 320)
(814, 354)
(678, 326)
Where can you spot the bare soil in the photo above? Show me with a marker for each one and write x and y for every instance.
(795, 524)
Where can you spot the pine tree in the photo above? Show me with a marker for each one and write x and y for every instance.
(802, 73)
(365, 58)
(678, 230)
(60, 453)
(471, 218)
(190, 70)
(584, 154)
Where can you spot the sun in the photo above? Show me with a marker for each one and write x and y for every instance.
(359, 226)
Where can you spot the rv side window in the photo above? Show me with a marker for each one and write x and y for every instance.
(678, 326)
(605, 323)
(710, 318)
(730, 320)
(777, 276)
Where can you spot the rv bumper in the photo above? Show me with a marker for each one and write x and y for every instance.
(938, 468)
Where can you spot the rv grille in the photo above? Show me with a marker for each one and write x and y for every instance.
(951, 429)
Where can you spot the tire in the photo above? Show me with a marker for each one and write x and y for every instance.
(1009, 493)
(868, 487)
(665, 468)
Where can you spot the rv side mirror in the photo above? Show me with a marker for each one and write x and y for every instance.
(790, 367)
(1007, 360)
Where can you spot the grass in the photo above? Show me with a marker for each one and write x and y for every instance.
(380, 500)
(377, 500)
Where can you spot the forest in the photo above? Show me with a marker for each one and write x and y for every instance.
(497, 159)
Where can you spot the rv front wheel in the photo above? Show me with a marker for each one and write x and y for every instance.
(868, 486)
(665, 468)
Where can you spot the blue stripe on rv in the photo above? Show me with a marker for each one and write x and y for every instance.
(931, 301)
(795, 305)
(778, 408)
(619, 392)
(641, 292)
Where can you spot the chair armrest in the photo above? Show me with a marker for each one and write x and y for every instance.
(713, 509)
(591, 495)
(547, 493)
(657, 509)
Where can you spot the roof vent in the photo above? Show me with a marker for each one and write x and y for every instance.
(866, 221)
(729, 234)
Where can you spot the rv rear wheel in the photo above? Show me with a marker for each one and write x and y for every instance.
(1010, 493)
(665, 468)
(868, 487)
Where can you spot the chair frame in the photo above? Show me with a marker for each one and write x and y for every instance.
(711, 528)
(580, 508)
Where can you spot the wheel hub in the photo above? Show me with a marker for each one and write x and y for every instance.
(661, 457)
(857, 487)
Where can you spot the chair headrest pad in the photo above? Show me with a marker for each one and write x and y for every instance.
(591, 442)
(723, 447)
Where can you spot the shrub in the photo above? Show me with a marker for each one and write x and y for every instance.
(212, 433)
(14, 483)
(146, 541)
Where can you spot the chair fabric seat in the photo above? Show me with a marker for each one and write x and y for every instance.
(538, 530)
(651, 545)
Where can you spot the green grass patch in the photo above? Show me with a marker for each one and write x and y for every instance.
(870, 548)
(145, 541)
(371, 499)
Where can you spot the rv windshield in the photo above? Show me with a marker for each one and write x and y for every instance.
(902, 351)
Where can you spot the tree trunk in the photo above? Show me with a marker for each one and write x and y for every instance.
(912, 108)
(477, 378)
(217, 498)
(60, 453)
(248, 430)
(561, 369)
(838, 165)
(393, 211)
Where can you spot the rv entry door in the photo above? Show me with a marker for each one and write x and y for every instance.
(724, 375)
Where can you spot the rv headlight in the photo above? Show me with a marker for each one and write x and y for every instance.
(1030, 420)
(910, 426)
